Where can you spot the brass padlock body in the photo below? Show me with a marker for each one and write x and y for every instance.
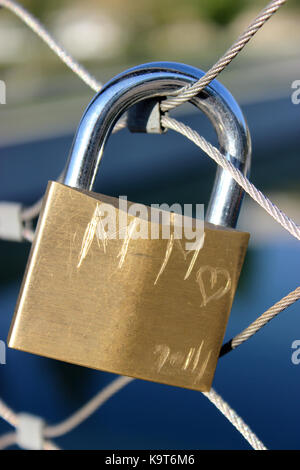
(125, 305)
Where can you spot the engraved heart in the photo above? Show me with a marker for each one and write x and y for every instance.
(217, 277)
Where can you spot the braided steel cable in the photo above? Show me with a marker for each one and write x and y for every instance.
(284, 220)
(33, 23)
(188, 92)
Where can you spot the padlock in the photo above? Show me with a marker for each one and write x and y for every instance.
(142, 307)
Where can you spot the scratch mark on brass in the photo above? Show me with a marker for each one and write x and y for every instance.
(124, 248)
(197, 357)
(169, 250)
(102, 234)
(214, 272)
(203, 368)
(164, 351)
(88, 236)
(195, 256)
(188, 358)
(184, 253)
(70, 264)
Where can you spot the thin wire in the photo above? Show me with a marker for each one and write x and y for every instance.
(70, 423)
(238, 176)
(8, 414)
(7, 440)
(235, 419)
(34, 24)
(99, 399)
(188, 92)
(261, 321)
(29, 213)
(88, 409)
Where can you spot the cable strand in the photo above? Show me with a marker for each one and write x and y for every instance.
(186, 93)
(236, 174)
(261, 321)
(88, 409)
(235, 419)
(35, 25)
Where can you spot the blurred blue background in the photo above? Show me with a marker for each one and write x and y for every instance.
(44, 106)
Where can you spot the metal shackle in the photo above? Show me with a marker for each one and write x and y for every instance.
(157, 80)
